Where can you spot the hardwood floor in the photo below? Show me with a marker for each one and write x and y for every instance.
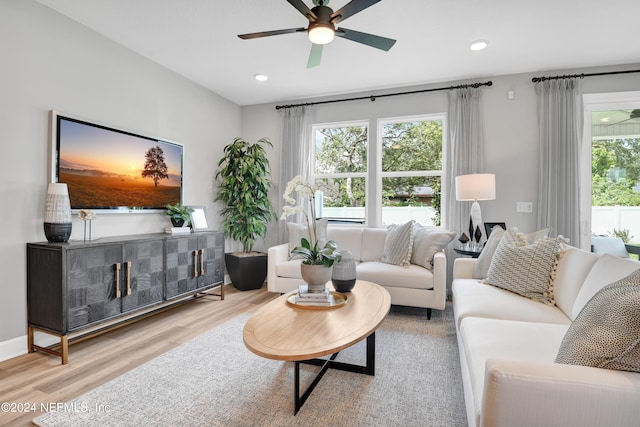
(33, 379)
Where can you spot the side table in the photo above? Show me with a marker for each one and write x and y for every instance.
(472, 254)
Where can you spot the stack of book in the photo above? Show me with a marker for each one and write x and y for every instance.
(304, 297)
(177, 230)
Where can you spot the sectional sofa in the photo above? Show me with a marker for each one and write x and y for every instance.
(419, 284)
(508, 345)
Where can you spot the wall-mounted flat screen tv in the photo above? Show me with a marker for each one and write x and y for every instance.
(114, 170)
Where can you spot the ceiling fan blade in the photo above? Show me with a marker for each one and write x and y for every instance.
(351, 9)
(270, 33)
(378, 42)
(303, 9)
(315, 55)
(620, 122)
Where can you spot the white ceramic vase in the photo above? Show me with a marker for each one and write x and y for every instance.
(316, 276)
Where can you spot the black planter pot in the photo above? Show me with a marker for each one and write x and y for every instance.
(177, 222)
(247, 271)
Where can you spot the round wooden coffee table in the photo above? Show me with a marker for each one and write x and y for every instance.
(281, 331)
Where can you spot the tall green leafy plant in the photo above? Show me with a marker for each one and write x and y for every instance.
(244, 183)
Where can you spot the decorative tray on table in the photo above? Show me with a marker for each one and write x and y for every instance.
(335, 300)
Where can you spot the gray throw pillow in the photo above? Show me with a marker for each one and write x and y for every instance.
(526, 269)
(426, 243)
(398, 244)
(606, 333)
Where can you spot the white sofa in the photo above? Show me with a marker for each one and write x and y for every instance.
(413, 285)
(508, 345)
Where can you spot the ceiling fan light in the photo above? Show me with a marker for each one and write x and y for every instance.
(478, 45)
(321, 34)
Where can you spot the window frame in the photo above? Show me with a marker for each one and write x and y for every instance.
(373, 176)
(339, 175)
(380, 174)
(596, 102)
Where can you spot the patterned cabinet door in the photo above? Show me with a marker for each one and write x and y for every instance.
(91, 285)
(142, 274)
(181, 265)
(211, 259)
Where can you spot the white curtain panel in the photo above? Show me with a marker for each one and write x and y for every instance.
(295, 154)
(560, 114)
(465, 151)
(465, 155)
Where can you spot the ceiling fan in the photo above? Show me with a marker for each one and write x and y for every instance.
(633, 114)
(322, 27)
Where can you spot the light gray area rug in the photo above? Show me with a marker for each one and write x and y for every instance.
(213, 380)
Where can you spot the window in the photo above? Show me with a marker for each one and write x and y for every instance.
(615, 173)
(611, 137)
(406, 178)
(411, 170)
(341, 155)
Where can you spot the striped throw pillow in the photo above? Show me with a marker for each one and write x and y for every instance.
(526, 269)
(398, 244)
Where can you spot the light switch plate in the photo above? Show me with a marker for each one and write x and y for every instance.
(524, 207)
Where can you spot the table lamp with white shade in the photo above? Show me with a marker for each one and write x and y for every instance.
(474, 187)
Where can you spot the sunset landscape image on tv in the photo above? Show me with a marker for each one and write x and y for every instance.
(109, 169)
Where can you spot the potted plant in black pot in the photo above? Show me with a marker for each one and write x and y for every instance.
(179, 214)
(244, 183)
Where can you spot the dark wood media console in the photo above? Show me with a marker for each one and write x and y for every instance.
(79, 288)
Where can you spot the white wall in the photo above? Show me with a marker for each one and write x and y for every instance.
(50, 62)
(511, 133)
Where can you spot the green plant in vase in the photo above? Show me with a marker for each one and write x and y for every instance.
(317, 260)
(180, 215)
(309, 249)
(244, 185)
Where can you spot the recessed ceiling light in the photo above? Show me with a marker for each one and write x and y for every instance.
(478, 45)
(261, 77)
(605, 119)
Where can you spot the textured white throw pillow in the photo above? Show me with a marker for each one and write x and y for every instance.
(481, 269)
(526, 269)
(606, 334)
(426, 243)
(398, 244)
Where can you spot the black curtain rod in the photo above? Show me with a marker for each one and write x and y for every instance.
(582, 76)
(373, 97)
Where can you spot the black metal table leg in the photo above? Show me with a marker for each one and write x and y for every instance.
(368, 369)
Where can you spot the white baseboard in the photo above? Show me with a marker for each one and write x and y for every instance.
(18, 346)
(13, 348)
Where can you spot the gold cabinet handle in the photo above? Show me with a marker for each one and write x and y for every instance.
(195, 264)
(202, 262)
(128, 264)
(118, 294)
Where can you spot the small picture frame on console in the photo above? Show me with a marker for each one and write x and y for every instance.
(489, 226)
(199, 218)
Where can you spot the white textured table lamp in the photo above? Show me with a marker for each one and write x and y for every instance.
(474, 187)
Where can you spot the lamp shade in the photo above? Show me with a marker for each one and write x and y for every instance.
(57, 213)
(479, 186)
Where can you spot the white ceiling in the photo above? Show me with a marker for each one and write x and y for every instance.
(198, 39)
